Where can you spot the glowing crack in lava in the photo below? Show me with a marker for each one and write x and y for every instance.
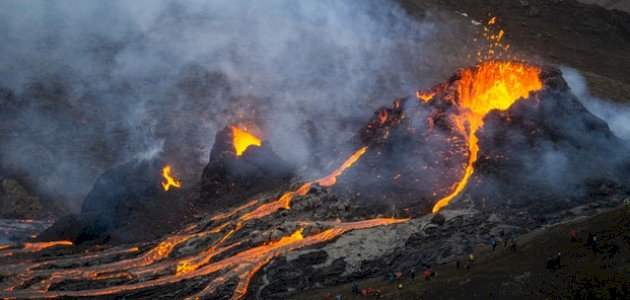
(491, 85)
(218, 258)
(243, 140)
(169, 181)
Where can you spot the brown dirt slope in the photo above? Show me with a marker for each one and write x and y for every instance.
(522, 274)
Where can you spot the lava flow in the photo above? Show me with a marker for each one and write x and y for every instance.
(491, 85)
(243, 140)
(285, 200)
(169, 180)
(332, 178)
(32, 247)
(218, 254)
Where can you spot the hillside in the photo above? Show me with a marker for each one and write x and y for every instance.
(522, 274)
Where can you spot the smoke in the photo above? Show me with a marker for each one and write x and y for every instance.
(556, 153)
(89, 85)
(615, 114)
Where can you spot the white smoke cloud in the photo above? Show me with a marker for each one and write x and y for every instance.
(143, 74)
(615, 114)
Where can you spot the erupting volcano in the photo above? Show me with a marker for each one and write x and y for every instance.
(299, 149)
(491, 85)
(269, 215)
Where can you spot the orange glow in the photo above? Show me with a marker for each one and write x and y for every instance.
(492, 85)
(332, 178)
(169, 181)
(382, 116)
(44, 245)
(494, 47)
(424, 96)
(32, 247)
(243, 140)
(285, 200)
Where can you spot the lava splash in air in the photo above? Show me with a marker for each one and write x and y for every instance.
(243, 140)
(491, 85)
(169, 181)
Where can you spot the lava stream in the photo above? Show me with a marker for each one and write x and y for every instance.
(332, 178)
(285, 200)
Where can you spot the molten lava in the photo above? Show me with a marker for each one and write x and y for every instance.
(332, 178)
(169, 181)
(492, 85)
(243, 140)
(285, 200)
(43, 245)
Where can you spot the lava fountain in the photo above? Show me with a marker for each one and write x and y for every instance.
(242, 139)
(169, 181)
(491, 85)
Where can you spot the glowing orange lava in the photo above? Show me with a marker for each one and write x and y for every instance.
(169, 181)
(44, 245)
(285, 200)
(332, 178)
(492, 85)
(424, 96)
(243, 140)
(32, 247)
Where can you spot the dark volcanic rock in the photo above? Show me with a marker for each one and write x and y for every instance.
(438, 219)
(79, 228)
(126, 203)
(120, 190)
